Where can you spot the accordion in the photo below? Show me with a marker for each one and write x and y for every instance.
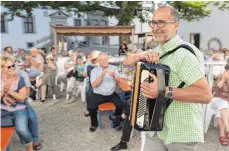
(148, 114)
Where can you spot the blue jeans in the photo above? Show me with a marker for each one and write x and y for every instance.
(21, 126)
(33, 73)
(33, 122)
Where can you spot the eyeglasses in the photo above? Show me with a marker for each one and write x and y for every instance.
(88, 57)
(160, 23)
(9, 67)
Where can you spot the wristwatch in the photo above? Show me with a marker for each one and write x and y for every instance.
(170, 93)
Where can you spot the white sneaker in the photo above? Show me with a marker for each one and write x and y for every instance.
(30, 100)
(69, 90)
(73, 99)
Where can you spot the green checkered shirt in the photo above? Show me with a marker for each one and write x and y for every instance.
(183, 122)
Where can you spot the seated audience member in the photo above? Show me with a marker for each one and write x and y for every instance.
(21, 56)
(93, 63)
(76, 78)
(221, 106)
(43, 53)
(103, 80)
(48, 78)
(54, 53)
(217, 56)
(123, 49)
(13, 93)
(88, 59)
(36, 63)
(68, 66)
(79, 53)
(33, 121)
(225, 52)
(9, 50)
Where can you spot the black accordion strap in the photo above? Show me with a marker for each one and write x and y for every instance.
(169, 101)
(180, 46)
(172, 51)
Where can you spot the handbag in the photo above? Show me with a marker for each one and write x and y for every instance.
(7, 118)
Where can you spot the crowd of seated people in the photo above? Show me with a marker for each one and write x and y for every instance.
(103, 79)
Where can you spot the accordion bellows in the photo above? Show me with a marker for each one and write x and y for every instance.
(148, 114)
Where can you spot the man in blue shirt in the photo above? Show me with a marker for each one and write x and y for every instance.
(103, 80)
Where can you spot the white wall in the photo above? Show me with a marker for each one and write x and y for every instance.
(217, 25)
(139, 27)
(16, 37)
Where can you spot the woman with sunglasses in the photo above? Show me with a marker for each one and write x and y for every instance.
(48, 79)
(13, 94)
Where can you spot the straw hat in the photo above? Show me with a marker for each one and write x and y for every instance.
(95, 54)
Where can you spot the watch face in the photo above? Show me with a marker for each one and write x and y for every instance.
(170, 94)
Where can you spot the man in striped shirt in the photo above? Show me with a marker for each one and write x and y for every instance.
(103, 80)
(183, 128)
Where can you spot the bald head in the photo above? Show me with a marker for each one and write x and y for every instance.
(103, 59)
(165, 24)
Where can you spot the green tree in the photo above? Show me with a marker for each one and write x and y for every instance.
(124, 11)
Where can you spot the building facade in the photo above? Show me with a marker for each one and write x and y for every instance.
(210, 33)
(36, 31)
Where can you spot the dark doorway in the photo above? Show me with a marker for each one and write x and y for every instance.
(197, 40)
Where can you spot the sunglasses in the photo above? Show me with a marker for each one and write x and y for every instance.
(9, 67)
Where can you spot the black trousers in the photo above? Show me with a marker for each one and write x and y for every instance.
(126, 130)
(96, 99)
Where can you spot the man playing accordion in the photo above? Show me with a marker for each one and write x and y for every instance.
(183, 128)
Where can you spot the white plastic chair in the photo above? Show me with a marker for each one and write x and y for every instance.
(84, 89)
(60, 71)
(208, 113)
(38, 93)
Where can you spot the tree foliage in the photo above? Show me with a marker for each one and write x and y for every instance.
(124, 11)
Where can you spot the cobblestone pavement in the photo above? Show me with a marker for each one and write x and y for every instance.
(63, 127)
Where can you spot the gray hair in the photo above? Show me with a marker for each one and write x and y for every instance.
(174, 13)
(33, 49)
(103, 54)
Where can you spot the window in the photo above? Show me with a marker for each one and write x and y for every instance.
(103, 23)
(3, 24)
(104, 40)
(77, 22)
(28, 25)
(30, 44)
(87, 22)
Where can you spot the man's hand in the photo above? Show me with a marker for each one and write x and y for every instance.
(104, 72)
(150, 90)
(225, 75)
(151, 57)
(112, 74)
